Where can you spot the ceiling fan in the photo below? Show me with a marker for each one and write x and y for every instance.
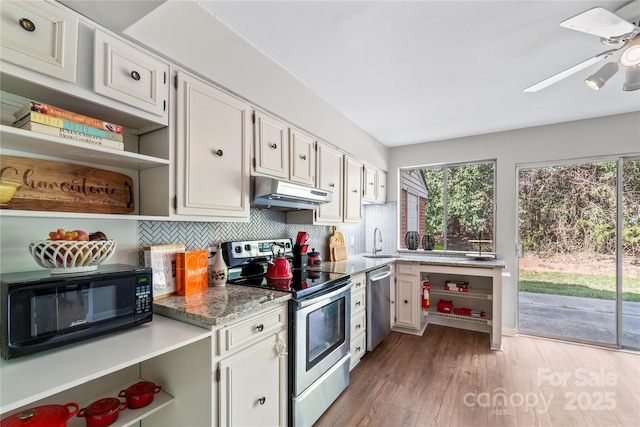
(620, 31)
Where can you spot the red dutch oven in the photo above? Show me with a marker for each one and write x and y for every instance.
(42, 416)
(140, 394)
(103, 412)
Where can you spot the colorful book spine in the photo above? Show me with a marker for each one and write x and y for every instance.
(66, 115)
(34, 117)
(71, 135)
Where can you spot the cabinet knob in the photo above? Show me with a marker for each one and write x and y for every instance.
(406, 302)
(218, 153)
(358, 348)
(332, 185)
(354, 191)
(358, 303)
(260, 327)
(371, 183)
(135, 75)
(358, 326)
(262, 400)
(27, 24)
(303, 157)
(274, 145)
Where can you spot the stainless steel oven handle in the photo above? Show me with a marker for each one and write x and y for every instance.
(314, 299)
(380, 277)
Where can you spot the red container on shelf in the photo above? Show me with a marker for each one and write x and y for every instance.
(445, 306)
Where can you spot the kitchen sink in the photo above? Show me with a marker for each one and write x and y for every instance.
(380, 256)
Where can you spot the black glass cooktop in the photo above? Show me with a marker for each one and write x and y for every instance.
(304, 282)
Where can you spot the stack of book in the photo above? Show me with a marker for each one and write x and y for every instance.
(49, 120)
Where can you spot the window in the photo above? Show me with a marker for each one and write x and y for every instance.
(453, 205)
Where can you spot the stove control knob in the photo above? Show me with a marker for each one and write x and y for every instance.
(247, 247)
(238, 249)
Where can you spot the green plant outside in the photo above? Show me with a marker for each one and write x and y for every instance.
(578, 285)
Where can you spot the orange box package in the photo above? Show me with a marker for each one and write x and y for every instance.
(191, 272)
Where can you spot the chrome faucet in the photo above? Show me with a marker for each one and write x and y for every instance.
(375, 246)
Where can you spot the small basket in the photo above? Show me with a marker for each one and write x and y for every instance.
(70, 256)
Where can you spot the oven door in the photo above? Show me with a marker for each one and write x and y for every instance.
(322, 326)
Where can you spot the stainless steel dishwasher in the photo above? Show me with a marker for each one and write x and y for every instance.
(378, 302)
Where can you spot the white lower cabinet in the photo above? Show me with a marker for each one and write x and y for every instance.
(251, 371)
(253, 385)
(478, 309)
(358, 329)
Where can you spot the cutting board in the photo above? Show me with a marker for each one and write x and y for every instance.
(65, 187)
(340, 253)
(337, 249)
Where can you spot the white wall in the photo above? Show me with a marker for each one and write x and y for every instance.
(195, 39)
(16, 233)
(605, 136)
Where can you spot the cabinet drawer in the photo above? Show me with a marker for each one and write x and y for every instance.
(237, 335)
(359, 282)
(358, 347)
(358, 323)
(358, 300)
(128, 75)
(41, 37)
(406, 269)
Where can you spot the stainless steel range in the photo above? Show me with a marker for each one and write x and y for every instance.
(319, 323)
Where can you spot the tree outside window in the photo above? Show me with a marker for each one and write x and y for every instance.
(458, 206)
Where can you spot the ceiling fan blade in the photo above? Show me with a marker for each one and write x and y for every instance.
(599, 22)
(569, 71)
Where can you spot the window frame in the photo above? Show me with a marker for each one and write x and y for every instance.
(402, 213)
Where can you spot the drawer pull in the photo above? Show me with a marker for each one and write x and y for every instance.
(27, 24)
(260, 327)
(274, 145)
(135, 75)
(303, 157)
(218, 153)
(262, 400)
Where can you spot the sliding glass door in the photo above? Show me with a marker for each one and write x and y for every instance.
(579, 232)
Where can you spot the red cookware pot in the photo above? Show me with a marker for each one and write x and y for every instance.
(140, 394)
(279, 268)
(314, 259)
(103, 412)
(43, 416)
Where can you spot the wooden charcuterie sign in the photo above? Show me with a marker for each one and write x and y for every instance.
(48, 185)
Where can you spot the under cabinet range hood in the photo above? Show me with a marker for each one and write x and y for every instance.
(271, 193)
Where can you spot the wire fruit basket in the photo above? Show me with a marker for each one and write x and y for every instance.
(70, 256)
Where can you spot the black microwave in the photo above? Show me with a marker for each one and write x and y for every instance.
(41, 310)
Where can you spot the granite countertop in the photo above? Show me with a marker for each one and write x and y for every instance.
(218, 305)
(359, 264)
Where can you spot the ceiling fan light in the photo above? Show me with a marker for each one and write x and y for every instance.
(630, 56)
(600, 77)
(632, 79)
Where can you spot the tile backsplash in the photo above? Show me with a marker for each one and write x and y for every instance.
(266, 224)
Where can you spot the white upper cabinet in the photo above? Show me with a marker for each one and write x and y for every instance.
(352, 189)
(212, 152)
(330, 177)
(282, 151)
(39, 36)
(302, 160)
(369, 184)
(126, 74)
(271, 147)
(381, 181)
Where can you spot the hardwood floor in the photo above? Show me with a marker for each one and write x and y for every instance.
(450, 377)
